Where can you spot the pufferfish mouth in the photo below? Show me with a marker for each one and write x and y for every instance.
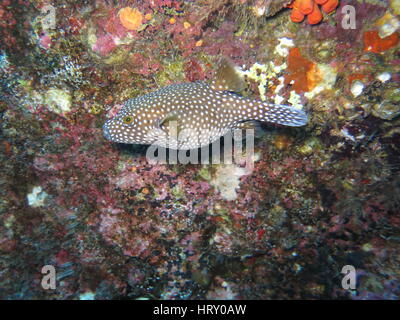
(106, 132)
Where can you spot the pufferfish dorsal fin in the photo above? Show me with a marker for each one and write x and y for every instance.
(227, 77)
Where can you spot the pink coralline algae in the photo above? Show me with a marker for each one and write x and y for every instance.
(104, 44)
(45, 41)
(116, 226)
(110, 31)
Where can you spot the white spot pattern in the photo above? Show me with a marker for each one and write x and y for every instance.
(202, 115)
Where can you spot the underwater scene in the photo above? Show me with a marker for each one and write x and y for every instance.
(199, 149)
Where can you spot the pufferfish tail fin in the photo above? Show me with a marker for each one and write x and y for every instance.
(227, 77)
(281, 114)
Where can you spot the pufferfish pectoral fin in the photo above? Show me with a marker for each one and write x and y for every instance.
(170, 124)
(227, 77)
(245, 125)
(250, 125)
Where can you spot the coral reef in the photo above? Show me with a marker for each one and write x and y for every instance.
(115, 226)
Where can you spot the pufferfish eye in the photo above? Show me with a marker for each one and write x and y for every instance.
(127, 119)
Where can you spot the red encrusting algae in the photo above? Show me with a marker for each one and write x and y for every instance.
(116, 226)
(303, 74)
(374, 43)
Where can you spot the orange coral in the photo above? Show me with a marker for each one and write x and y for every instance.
(356, 76)
(303, 74)
(130, 18)
(309, 8)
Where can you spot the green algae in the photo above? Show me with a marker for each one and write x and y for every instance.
(171, 73)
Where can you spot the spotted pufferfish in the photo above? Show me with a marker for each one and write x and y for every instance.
(192, 115)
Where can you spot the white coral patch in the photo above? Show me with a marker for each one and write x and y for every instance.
(283, 47)
(263, 75)
(37, 197)
(295, 100)
(58, 100)
(385, 76)
(227, 180)
(357, 88)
